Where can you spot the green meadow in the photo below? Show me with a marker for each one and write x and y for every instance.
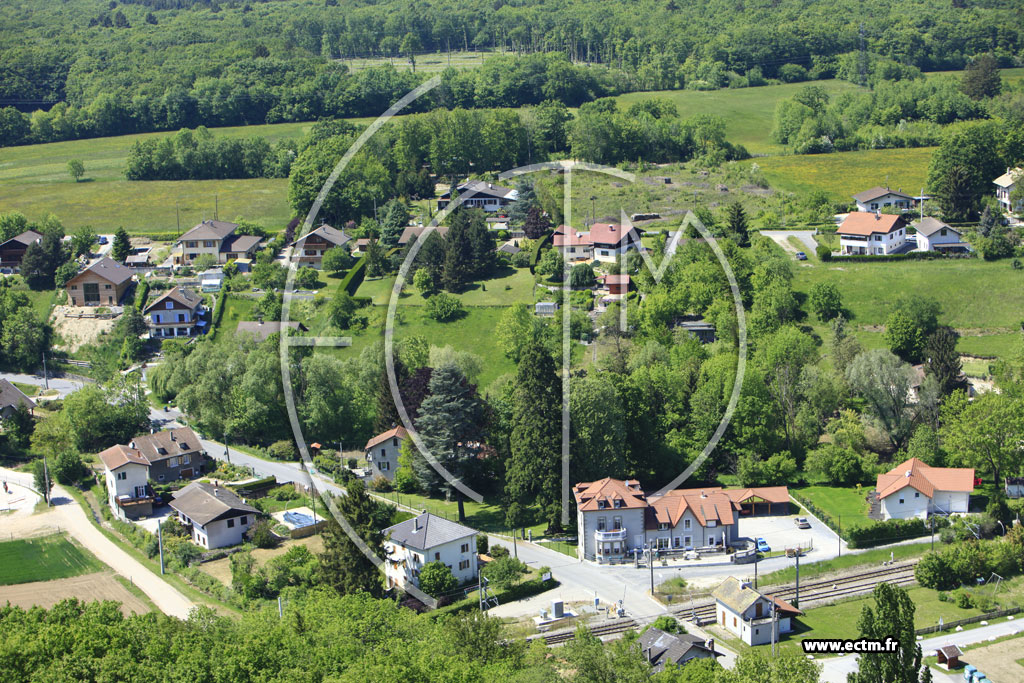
(44, 559)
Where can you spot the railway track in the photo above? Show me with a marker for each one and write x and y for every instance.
(603, 630)
(856, 584)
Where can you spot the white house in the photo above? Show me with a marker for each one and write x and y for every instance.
(878, 198)
(1004, 187)
(480, 195)
(934, 235)
(428, 538)
(177, 313)
(610, 240)
(382, 452)
(750, 615)
(871, 233)
(309, 249)
(573, 245)
(215, 516)
(127, 477)
(615, 518)
(914, 489)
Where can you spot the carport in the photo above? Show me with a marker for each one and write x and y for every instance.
(761, 500)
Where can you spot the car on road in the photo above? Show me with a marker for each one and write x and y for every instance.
(801, 256)
(762, 545)
(802, 523)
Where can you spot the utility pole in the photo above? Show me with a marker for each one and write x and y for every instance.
(651, 562)
(796, 599)
(755, 567)
(46, 377)
(160, 543)
(46, 481)
(931, 524)
(280, 611)
(840, 533)
(216, 206)
(177, 218)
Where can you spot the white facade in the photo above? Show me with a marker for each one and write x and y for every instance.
(576, 252)
(898, 200)
(219, 533)
(173, 322)
(403, 564)
(127, 481)
(940, 236)
(1004, 188)
(612, 533)
(754, 625)
(382, 458)
(876, 243)
(908, 502)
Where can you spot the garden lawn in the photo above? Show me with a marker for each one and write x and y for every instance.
(508, 286)
(843, 174)
(847, 504)
(488, 516)
(44, 559)
(982, 300)
(748, 112)
(868, 558)
(840, 619)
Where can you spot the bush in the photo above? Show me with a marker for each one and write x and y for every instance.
(498, 551)
(284, 492)
(521, 259)
(436, 579)
(505, 572)
(481, 544)
(443, 307)
(350, 283)
(282, 450)
(262, 535)
(963, 600)
(381, 484)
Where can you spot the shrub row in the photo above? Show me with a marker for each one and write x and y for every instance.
(350, 283)
(874, 533)
(538, 246)
(909, 256)
(141, 296)
(964, 562)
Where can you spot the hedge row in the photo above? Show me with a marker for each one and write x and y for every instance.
(874, 533)
(141, 296)
(537, 247)
(909, 256)
(350, 283)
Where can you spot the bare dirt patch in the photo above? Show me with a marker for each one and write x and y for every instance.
(999, 661)
(221, 569)
(90, 587)
(75, 332)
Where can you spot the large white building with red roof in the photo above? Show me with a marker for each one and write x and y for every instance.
(604, 242)
(914, 489)
(616, 518)
(872, 233)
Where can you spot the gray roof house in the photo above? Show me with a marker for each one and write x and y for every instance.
(11, 397)
(660, 648)
(172, 455)
(426, 538)
(216, 516)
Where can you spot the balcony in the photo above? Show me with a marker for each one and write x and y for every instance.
(613, 535)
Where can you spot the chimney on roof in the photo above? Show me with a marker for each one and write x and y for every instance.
(216, 492)
(131, 445)
(415, 524)
(703, 495)
(906, 474)
(647, 653)
(172, 437)
(710, 644)
(878, 215)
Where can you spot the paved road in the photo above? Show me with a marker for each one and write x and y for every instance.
(835, 670)
(62, 385)
(68, 516)
(781, 238)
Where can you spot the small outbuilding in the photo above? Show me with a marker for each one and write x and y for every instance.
(949, 656)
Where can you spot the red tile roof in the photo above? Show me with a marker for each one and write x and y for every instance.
(924, 478)
(865, 223)
(608, 494)
(398, 431)
(611, 233)
(767, 494)
(119, 456)
(573, 238)
(707, 504)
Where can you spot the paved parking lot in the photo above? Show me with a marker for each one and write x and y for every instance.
(780, 531)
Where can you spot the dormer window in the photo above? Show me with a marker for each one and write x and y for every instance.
(602, 504)
(184, 446)
(162, 450)
(618, 502)
(169, 304)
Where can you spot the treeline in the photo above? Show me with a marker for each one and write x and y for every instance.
(903, 109)
(457, 143)
(256, 90)
(241, 62)
(382, 641)
(198, 155)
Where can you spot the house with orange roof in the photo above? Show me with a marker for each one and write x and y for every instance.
(127, 473)
(604, 242)
(915, 489)
(863, 233)
(616, 519)
(382, 452)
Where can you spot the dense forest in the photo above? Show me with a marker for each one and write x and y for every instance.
(167, 64)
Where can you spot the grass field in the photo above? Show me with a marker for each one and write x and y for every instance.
(843, 174)
(507, 287)
(981, 299)
(34, 180)
(845, 503)
(488, 516)
(748, 112)
(44, 559)
(869, 558)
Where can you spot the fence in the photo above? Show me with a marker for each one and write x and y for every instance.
(969, 620)
(99, 316)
